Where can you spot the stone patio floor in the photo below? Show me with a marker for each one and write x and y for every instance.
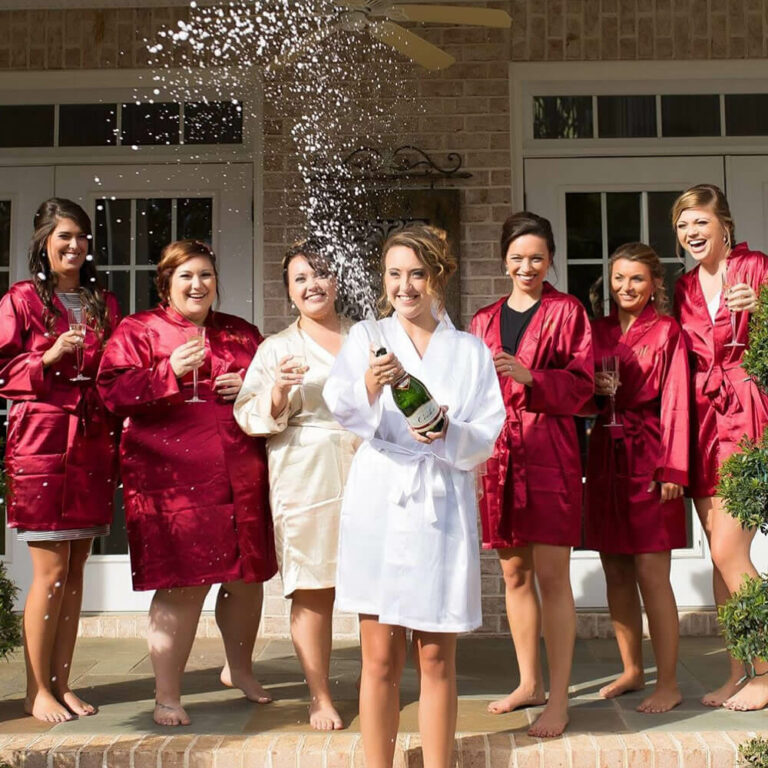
(116, 675)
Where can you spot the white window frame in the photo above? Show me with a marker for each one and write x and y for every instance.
(593, 78)
(124, 86)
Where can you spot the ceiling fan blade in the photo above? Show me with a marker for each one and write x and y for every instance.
(452, 14)
(411, 45)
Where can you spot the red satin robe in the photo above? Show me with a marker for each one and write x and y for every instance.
(196, 488)
(61, 451)
(726, 405)
(620, 515)
(532, 489)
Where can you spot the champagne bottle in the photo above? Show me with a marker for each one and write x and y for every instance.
(412, 397)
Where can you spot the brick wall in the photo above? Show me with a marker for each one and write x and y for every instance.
(465, 109)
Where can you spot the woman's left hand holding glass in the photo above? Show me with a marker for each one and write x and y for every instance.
(509, 366)
(430, 437)
(228, 385)
(741, 298)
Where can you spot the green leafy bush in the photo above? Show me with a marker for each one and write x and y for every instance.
(744, 619)
(10, 623)
(756, 357)
(754, 753)
(744, 483)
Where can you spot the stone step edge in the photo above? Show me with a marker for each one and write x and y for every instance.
(341, 750)
(589, 625)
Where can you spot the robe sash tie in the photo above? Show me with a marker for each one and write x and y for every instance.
(718, 388)
(420, 471)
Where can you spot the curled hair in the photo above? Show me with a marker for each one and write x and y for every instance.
(173, 256)
(526, 223)
(310, 250)
(47, 218)
(705, 196)
(432, 249)
(640, 253)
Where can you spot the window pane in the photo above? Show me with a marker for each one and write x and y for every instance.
(153, 229)
(585, 281)
(623, 214)
(117, 541)
(113, 232)
(195, 219)
(150, 123)
(583, 222)
(26, 125)
(562, 117)
(626, 116)
(672, 271)
(87, 125)
(661, 235)
(217, 122)
(4, 280)
(746, 114)
(690, 115)
(146, 292)
(5, 233)
(119, 283)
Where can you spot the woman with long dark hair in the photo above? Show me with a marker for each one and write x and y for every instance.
(61, 450)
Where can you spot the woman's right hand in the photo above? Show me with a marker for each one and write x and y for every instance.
(605, 384)
(289, 372)
(383, 370)
(66, 344)
(187, 357)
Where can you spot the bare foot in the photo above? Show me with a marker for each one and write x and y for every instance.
(718, 697)
(324, 717)
(550, 723)
(661, 700)
(753, 696)
(170, 714)
(75, 704)
(247, 683)
(45, 707)
(520, 697)
(624, 683)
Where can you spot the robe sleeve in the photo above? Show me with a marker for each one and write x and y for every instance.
(675, 403)
(253, 407)
(22, 376)
(345, 393)
(563, 390)
(470, 438)
(129, 378)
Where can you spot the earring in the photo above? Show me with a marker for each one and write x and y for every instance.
(653, 297)
(293, 306)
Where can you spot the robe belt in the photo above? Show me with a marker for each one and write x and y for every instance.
(419, 471)
(510, 451)
(719, 389)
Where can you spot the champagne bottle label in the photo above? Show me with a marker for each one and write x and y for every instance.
(425, 416)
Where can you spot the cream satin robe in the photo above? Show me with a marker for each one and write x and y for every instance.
(408, 549)
(309, 458)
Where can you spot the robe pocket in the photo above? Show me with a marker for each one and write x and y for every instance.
(174, 544)
(37, 430)
(35, 491)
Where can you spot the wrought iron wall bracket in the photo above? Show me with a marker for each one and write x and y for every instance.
(406, 163)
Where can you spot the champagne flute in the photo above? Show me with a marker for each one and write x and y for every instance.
(75, 319)
(610, 367)
(198, 334)
(726, 291)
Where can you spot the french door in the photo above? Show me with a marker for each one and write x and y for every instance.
(595, 205)
(135, 211)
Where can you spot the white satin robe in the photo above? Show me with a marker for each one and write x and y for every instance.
(408, 550)
(309, 458)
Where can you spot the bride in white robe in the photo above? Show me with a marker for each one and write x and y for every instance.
(408, 549)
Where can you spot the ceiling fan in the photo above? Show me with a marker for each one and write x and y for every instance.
(379, 18)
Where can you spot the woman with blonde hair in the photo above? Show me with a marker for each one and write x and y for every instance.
(309, 458)
(637, 467)
(713, 303)
(408, 552)
(196, 491)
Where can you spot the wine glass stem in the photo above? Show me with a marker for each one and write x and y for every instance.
(79, 360)
(733, 326)
(613, 409)
(194, 384)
